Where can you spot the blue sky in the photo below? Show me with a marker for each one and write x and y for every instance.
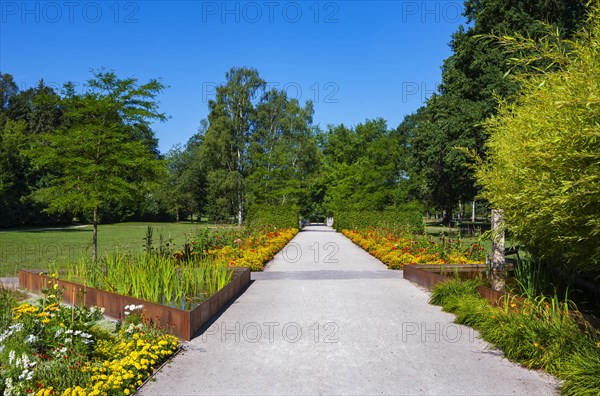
(355, 60)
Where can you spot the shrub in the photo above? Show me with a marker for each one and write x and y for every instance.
(543, 154)
(538, 333)
(281, 216)
(408, 217)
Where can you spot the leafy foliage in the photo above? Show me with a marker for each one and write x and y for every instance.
(276, 216)
(472, 77)
(259, 148)
(98, 157)
(407, 217)
(543, 166)
(538, 333)
(365, 168)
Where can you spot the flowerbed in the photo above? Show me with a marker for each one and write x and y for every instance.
(48, 348)
(181, 278)
(255, 250)
(396, 249)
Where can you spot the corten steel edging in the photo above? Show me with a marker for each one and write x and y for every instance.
(182, 323)
(428, 279)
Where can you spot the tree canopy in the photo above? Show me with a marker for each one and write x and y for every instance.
(543, 165)
(100, 157)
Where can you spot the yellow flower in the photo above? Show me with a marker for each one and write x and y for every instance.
(535, 344)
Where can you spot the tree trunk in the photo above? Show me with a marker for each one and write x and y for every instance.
(474, 213)
(447, 216)
(498, 260)
(95, 236)
(177, 214)
(240, 208)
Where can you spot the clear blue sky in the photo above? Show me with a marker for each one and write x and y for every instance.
(355, 60)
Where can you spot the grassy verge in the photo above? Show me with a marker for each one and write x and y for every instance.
(539, 333)
(38, 248)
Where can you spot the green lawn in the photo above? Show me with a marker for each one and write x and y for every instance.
(38, 248)
(436, 230)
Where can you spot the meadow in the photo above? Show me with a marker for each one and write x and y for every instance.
(38, 248)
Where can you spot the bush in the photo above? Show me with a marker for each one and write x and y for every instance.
(408, 217)
(538, 333)
(543, 165)
(280, 216)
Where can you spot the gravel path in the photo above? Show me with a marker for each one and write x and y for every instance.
(327, 318)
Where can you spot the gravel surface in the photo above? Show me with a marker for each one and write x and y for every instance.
(327, 318)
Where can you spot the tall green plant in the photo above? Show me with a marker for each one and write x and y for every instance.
(543, 165)
(98, 156)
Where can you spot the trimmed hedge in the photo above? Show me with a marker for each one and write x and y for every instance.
(286, 216)
(408, 216)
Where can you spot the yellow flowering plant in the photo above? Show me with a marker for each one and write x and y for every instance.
(396, 249)
(48, 348)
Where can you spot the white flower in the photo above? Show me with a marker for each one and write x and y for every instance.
(23, 374)
(58, 332)
(60, 351)
(11, 357)
(9, 387)
(30, 339)
(67, 340)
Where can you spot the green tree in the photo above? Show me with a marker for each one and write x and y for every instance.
(366, 167)
(471, 79)
(98, 156)
(282, 153)
(183, 188)
(543, 165)
(23, 116)
(225, 147)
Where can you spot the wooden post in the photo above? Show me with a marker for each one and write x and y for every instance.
(498, 260)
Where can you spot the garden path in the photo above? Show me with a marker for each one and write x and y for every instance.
(325, 317)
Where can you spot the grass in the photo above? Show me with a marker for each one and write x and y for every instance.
(438, 231)
(539, 333)
(156, 278)
(43, 247)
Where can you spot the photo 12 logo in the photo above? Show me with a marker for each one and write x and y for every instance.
(417, 91)
(69, 11)
(436, 332)
(318, 252)
(432, 11)
(317, 92)
(271, 332)
(269, 11)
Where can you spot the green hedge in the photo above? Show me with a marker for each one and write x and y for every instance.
(270, 215)
(408, 216)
